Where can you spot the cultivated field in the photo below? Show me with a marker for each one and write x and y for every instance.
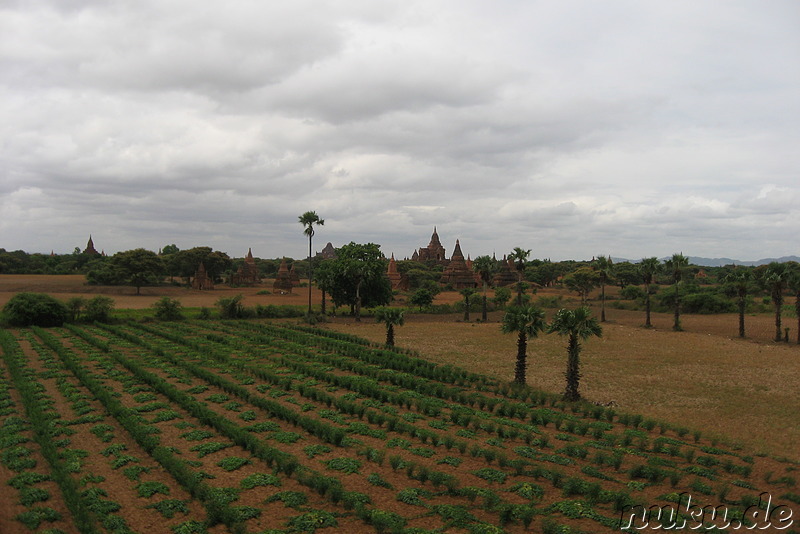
(246, 426)
(309, 427)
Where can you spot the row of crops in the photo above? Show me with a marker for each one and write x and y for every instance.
(240, 426)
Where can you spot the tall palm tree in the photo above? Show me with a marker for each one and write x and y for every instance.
(519, 256)
(648, 268)
(527, 322)
(738, 283)
(577, 325)
(467, 293)
(604, 267)
(308, 220)
(390, 317)
(485, 266)
(675, 267)
(775, 279)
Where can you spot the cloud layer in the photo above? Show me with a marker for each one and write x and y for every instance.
(570, 128)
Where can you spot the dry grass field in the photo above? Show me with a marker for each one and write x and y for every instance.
(746, 391)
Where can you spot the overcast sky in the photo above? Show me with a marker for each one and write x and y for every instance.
(572, 128)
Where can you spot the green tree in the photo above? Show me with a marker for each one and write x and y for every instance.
(390, 317)
(676, 267)
(75, 306)
(467, 293)
(648, 268)
(605, 272)
(308, 220)
(578, 325)
(501, 297)
(422, 297)
(519, 256)
(485, 266)
(774, 280)
(358, 277)
(794, 286)
(526, 322)
(38, 309)
(184, 263)
(582, 280)
(138, 267)
(737, 284)
(626, 274)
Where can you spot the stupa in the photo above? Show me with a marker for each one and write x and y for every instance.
(201, 279)
(247, 274)
(398, 281)
(283, 280)
(456, 273)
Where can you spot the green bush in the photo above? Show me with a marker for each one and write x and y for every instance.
(231, 307)
(168, 309)
(38, 309)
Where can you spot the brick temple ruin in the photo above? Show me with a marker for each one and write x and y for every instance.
(247, 274)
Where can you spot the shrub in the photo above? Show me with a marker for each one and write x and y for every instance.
(98, 309)
(231, 307)
(168, 309)
(38, 309)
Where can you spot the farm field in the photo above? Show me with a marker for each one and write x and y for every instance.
(248, 426)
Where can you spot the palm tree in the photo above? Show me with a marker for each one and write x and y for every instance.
(467, 292)
(485, 267)
(527, 322)
(308, 220)
(520, 256)
(675, 266)
(738, 283)
(775, 279)
(604, 267)
(648, 268)
(577, 325)
(389, 317)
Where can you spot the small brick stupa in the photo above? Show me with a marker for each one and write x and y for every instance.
(507, 274)
(398, 281)
(456, 273)
(201, 279)
(283, 280)
(247, 274)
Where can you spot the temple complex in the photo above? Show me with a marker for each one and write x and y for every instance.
(247, 274)
(201, 279)
(433, 252)
(456, 274)
(283, 280)
(398, 281)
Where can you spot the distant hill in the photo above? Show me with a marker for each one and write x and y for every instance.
(719, 262)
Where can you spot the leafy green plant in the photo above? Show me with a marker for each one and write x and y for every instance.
(148, 489)
(290, 499)
(232, 463)
(345, 465)
(169, 507)
(260, 479)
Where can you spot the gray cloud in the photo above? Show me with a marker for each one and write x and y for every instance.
(573, 129)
